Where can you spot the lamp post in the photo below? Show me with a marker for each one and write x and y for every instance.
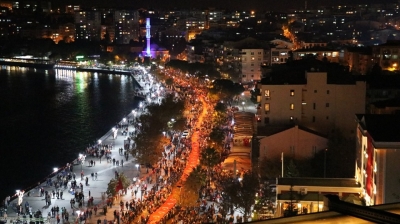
(137, 168)
(81, 160)
(325, 163)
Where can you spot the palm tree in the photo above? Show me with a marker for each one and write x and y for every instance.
(210, 157)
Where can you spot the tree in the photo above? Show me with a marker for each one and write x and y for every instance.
(292, 170)
(193, 184)
(270, 168)
(150, 141)
(169, 82)
(217, 135)
(226, 89)
(220, 107)
(112, 185)
(210, 157)
(340, 155)
(241, 195)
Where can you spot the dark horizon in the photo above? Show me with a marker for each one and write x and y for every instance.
(257, 5)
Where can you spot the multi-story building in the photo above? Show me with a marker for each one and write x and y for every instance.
(358, 59)
(279, 54)
(331, 55)
(387, 55)
(314, 99)
(126, 26)
(251, 61)
(87, 25)
(65, 32)
(194, 51)
(247, 56)
(378, 155)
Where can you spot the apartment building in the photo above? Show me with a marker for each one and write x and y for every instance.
(378, 155)
(312, 99)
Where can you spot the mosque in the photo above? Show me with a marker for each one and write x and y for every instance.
(153, 50)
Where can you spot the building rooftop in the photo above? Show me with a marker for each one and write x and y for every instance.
(381, 127)
(293, 73)
(324, 182)
(272, 130)
(391, 43)
(316, 48)
(394, 102)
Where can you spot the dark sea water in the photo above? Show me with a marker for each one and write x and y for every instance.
(48, 117)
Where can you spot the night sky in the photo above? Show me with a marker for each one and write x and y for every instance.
(258, 5)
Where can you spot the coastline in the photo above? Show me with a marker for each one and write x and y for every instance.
(96, 188)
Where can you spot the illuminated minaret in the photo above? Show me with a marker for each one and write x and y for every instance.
(148, 36)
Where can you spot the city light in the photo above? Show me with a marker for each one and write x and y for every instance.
(55, 169)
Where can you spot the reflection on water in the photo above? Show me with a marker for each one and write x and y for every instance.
(47, 118)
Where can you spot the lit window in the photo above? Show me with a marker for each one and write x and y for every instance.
(292, 92)
(292, 106)
(266, 107)
(266, 93)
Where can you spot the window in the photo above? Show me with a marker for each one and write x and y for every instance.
(266, 107)
(315, 91)
(244, 76)
(292, 150)
(327, 104)
(292, 106)
(313, 119)
(327, 117)
(266, 93)
(266, 120)
(314, 106)
(314, 149)
(292, 92)
(327, 92)
(252, 53)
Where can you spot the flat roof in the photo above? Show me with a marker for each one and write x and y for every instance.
(329, 217)
(381, 127)
(326, 182)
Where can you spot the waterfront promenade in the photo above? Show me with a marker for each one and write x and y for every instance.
(96, 188)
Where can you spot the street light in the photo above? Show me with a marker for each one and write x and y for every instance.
(81, 159)
(325, 162)
(243, 105)
(55, 170)
(137, 167)
(99, 141)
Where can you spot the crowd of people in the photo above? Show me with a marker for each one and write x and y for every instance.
(151, 192)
